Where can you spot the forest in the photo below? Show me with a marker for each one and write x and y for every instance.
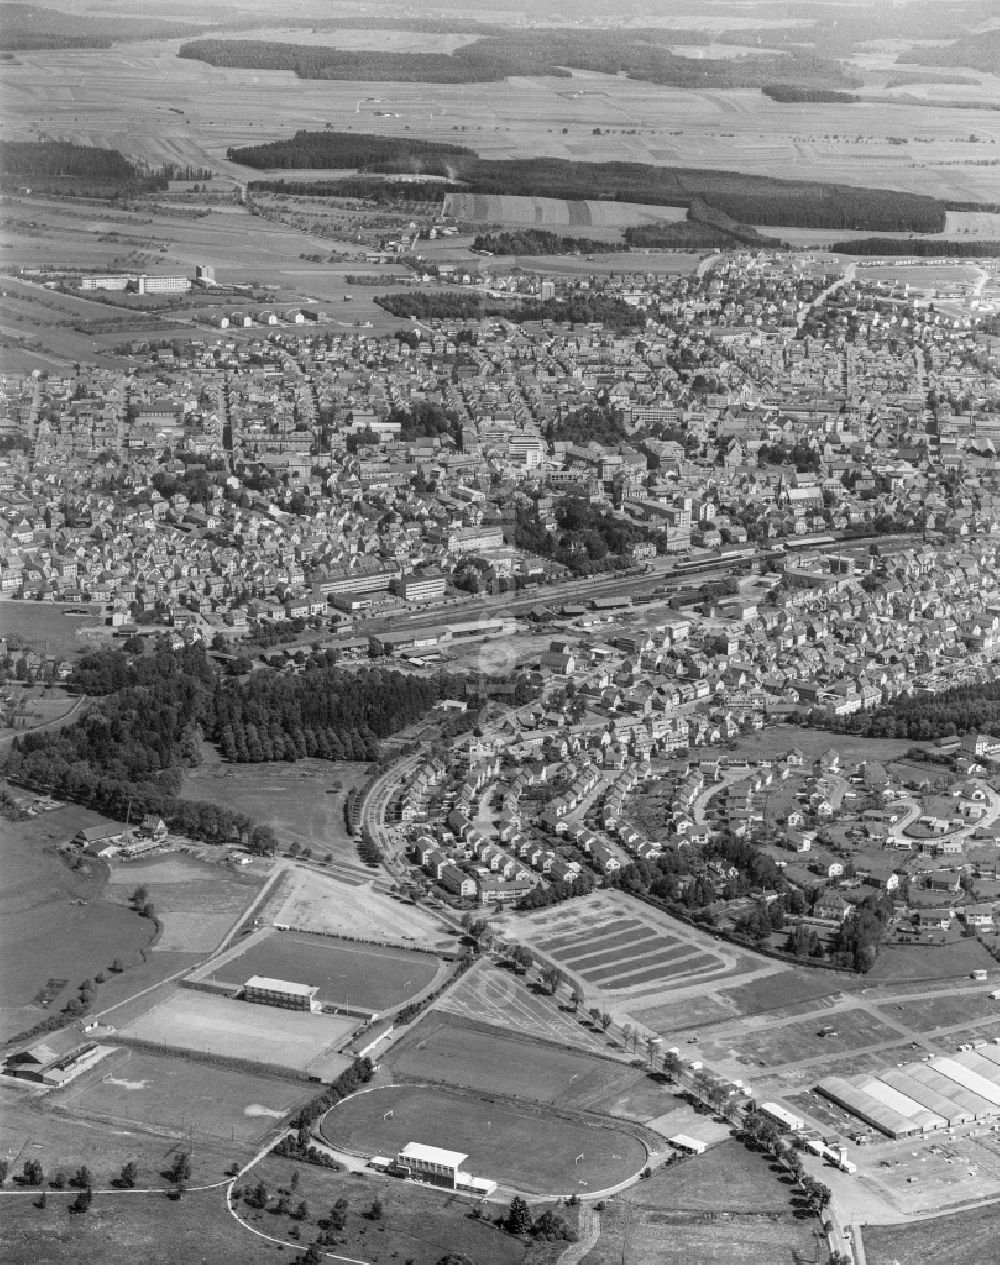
(593, 422)
(745, 199)
(923, 717)
(790, 92)
(537, 241)
(580, 309)
(366, 188)
(979, 51)
(361, 150)
(29, 26)
(151, 712)
(55, 165)
(976, 248)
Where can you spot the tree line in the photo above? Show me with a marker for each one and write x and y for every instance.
(53, 164)
(366, 188)
(536, 241)
(977, 248)
(361, 150)
(791, 92)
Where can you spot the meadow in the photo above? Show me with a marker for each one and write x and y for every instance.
(303, 803)
(133, 1089)
(56, 923)
(527, 1147)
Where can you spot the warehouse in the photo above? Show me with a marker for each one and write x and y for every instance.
(917, 1098)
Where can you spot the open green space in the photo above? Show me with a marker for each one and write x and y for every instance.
(418, 1223)
(132, 1088)
(196, 902)
(454, 1051)
(965, 1238)
(303, 804)
(781, 1043)
(529, 1147)
(631, 1236)
(356, 975)
(55, 921)
(912, 963)
(123, 1228)
(727, 1178)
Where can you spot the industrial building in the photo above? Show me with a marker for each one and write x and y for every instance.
(918, 1098)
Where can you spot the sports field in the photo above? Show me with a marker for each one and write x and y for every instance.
(133, 1088)
(530, 1148)
(234, 1029)
(444, 1048)
(361, 976)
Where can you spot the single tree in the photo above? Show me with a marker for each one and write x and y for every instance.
(130, 1173)
(302, 1211)
(375, 1211)
(32, 1174)
(518, 1217)
(181, 1169)
(4, 1170)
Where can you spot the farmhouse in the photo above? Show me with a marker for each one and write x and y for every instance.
(277, 992)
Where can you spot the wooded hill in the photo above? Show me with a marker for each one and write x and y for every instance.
(61, 166)
(550, 52)
(745, 199)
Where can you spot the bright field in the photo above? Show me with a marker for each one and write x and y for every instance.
(529, 1148)
(357, 975)
(132, 1088)
(237, 1029)
(494, 208)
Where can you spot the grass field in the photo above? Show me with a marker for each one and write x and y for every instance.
(967, 1238)
(648, 1237)
(419, 1224)
(527, 1147)
(43, 623)
(298, 801)
(779, 1043)
(55, 922)
(445, 1048)
(727, 1178)
(131, 1088)
(235, 1029)
(903, 964)
(196, 902)
(362, 976)
(121, 1229)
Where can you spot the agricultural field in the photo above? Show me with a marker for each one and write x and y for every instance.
(196, 902)
(58, 928)
(303, 803)
(191, 1099)
(529, 1148)
(966, 1238)
(207, 1024)
(495, 208)
(419, 1223)
(359, 976)
(457, 1052)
